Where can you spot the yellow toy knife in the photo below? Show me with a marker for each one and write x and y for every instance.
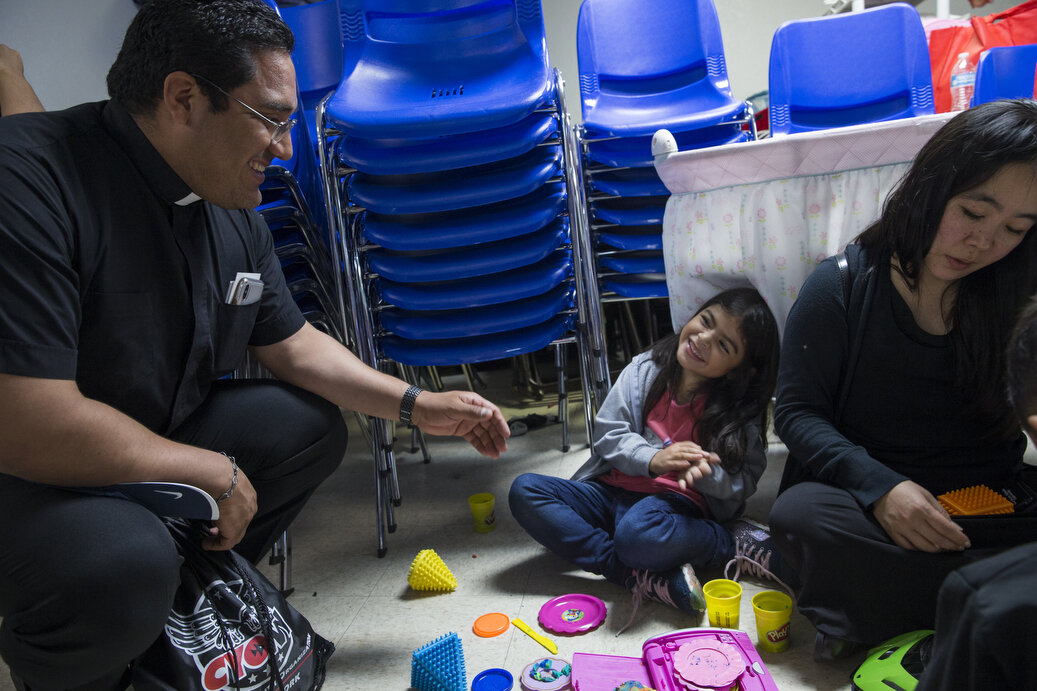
(542, 640)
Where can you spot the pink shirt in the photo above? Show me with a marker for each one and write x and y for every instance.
(671, 422)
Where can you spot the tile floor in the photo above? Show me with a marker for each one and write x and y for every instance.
(364, 605)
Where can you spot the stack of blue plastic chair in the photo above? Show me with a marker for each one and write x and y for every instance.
(293, 195)
(317, 55)
(849, 69)
(1006, 72)
(293, 208)
(646, 66)
(448, 160)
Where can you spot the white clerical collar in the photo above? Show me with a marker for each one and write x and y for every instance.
(189, 199)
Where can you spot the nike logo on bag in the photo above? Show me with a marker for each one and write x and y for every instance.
(175, 495)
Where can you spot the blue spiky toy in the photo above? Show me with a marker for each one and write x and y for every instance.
(439, 665)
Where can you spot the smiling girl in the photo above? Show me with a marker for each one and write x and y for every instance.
(679, 445)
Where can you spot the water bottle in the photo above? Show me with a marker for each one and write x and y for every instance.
(963, 81)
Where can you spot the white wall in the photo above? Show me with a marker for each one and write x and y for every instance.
(68, 45)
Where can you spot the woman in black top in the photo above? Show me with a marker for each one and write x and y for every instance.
(891, 384)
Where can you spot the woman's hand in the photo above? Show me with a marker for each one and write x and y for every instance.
(914, 519)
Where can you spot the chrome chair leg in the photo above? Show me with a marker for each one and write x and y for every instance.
(563, 396)
(472, 377)
(282, 555)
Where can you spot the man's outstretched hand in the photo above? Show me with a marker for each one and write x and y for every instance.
(463, 414)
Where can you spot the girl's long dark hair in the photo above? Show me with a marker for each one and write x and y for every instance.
(738, 401)
(966, 152)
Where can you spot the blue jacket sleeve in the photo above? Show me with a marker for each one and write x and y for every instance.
(814, 355)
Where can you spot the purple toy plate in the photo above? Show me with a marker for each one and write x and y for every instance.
(572, 613)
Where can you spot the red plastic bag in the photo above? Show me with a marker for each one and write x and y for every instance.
(1013, 27)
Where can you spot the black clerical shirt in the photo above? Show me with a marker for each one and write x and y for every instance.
(108, 280)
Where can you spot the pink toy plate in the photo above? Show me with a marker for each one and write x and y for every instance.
(572, 613)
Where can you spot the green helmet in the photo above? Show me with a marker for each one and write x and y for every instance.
(895, 664)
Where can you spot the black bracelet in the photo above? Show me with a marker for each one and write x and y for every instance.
(233, 480)
(407, 404)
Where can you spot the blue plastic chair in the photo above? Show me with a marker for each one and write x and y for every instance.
(633, 238)
(849, 69)
(631, 211)
(651, 64)
(318, 50)
(637, 151)
(317, 58)
(399, 156)
(479, 260)
(517, 284)
(629, 182)
(478, 321)
(425, 69)
(456, 189)
(476, 349)
(636, 287)
(1006, 72)
(634, 262)
(469, 226)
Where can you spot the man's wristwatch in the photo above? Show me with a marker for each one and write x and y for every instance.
(407, 404)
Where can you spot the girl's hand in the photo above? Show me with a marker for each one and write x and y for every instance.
(698, 470)
(914, 519)
(676, 457)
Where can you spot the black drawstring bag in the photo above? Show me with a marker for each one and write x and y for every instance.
(230, 628)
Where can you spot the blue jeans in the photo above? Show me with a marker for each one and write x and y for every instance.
(612, 531)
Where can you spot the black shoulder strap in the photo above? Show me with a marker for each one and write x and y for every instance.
(844, 273)
(857, 308)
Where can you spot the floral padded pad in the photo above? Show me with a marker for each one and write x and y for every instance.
(766, 212)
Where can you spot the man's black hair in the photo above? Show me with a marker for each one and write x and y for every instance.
(217, 39)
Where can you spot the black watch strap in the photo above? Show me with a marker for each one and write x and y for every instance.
(407, 404)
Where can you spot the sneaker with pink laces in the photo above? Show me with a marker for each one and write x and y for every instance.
(757, 555)
(678, 588)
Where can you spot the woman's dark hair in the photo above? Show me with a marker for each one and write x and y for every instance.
(966, 152)
(742, 397)
(217, 39)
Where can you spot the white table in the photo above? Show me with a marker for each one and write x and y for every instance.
(764, 213)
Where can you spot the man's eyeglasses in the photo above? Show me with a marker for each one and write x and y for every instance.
(280, 128)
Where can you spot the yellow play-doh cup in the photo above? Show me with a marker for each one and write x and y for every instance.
(723, 602)
(773, 611)
(482, 505)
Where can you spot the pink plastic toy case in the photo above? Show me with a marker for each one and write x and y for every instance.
(686, 660)
(592, 672)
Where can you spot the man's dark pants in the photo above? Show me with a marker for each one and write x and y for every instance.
(86, 582)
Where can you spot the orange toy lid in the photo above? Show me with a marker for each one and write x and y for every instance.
(976, 500)
(492, 624)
